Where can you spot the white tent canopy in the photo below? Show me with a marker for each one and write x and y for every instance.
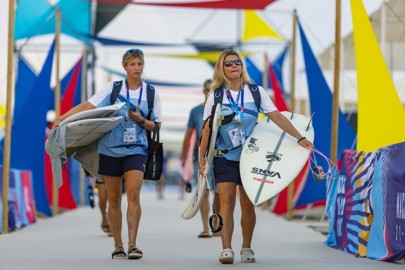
(388, 22)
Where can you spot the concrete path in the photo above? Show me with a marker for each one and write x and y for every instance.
(74, 240)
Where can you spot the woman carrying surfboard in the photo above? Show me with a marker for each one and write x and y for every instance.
(123, 151)
(231, 83)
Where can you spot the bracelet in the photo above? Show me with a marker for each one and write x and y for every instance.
(300, 140)
(142, 122)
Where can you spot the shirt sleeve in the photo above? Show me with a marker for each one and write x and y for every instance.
(265, 102)
(100, 96)
(208, 106)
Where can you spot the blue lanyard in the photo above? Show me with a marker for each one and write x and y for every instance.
(129, 104)
(234, 105)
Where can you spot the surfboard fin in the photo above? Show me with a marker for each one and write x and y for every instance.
(309, 123)
(292, 111)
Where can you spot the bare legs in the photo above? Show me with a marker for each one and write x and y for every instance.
(114, 194)
(227, 195)
(102, 205)
(133, 184)
(204, 209)
(134, 205)
(248, 218)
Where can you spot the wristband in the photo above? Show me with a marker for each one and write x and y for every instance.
(142, 122)
(300, 140)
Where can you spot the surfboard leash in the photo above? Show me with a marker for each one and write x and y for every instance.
(215, 220)
(317, 171)
(215, 217)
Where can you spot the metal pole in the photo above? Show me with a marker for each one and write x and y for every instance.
(9, 112)
(290, 190)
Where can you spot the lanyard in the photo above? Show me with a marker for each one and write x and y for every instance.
(234, 105)
(128, 100)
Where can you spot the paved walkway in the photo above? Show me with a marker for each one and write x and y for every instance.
(74, 240)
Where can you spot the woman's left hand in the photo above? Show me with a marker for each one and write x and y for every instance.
(135, 116)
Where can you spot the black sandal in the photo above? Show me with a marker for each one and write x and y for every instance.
(118, 251)
(134, 253)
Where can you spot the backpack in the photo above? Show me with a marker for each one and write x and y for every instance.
(150, 96)
(218, 98)
(254, 89)
(154, 164)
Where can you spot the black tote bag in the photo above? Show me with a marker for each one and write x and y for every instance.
(154, 164)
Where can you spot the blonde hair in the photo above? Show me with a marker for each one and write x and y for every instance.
(131, 54)
(219, 78)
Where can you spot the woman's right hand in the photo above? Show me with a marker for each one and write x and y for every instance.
(56, 122)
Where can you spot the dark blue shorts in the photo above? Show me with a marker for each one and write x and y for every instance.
(117, 166)
(226, 171)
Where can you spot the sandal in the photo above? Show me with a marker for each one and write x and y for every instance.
(134, 253)
(226, 256)
(247, 255)
(118, 253)
(204, 235)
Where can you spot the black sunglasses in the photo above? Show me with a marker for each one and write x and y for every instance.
(231, 62)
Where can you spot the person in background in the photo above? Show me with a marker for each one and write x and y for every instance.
(195, 123)
(102, 200)
(160, 184)
(123, 151)
(230, 76)
(102, 205)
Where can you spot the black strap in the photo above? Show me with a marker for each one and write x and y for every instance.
(150, 96)
(155, 134)
(254, 89)
(115, 91)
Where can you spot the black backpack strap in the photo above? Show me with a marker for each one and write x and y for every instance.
(218, 96)
(115, 91)
(150, 97)
(254, 89)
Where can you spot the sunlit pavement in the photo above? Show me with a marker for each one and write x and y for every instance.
(74, 240)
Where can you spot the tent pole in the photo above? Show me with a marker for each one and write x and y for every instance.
(9, 111)
(383, 27)
(290, 190)
(265, 72)
(83, 98)
(55, 197)
(336, 78)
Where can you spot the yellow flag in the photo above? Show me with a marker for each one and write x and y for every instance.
(256, 27)
(381, 116)
(2, 116)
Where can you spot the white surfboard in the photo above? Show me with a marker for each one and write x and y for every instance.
(86, 127)
(102, 112)
(271, 158)
(201, 188)
(85, 131)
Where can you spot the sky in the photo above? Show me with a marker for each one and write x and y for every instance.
(178, 25)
